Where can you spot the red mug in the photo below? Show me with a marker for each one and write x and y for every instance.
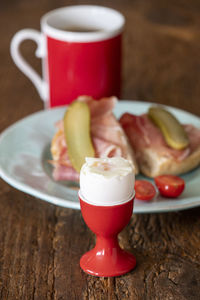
(80, 47)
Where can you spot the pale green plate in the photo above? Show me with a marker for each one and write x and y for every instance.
(24, 155)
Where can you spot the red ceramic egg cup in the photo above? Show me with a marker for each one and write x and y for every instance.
(107, 259)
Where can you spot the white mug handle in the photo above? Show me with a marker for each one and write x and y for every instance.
(30, 34)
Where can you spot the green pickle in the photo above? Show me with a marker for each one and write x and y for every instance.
(173, 132)
(77, 134)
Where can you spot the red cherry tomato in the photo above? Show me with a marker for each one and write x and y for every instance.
(144, 190)
(169, 185)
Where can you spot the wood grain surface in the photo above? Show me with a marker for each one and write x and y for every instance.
(41, 244)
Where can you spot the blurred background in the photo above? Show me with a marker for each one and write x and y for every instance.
(161, 60)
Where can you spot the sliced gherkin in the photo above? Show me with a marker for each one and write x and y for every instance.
(77, 134)
(173, 132)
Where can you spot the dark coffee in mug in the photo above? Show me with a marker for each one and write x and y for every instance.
(79, 29)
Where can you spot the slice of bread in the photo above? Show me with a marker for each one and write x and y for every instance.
(108, 137)
(152, 164)
(153, 155)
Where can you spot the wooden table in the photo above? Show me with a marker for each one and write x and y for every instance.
(40, 244)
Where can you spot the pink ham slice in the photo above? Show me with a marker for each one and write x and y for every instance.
(62, 172)
(142, 133)
(107, 136)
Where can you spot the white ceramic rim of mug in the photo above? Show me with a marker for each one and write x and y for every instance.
(106, 204)
(59, 34)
